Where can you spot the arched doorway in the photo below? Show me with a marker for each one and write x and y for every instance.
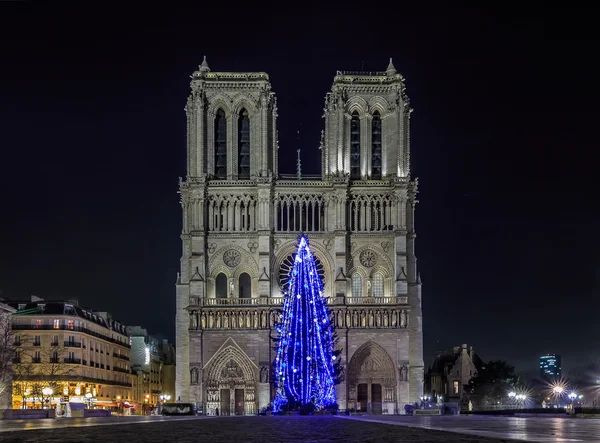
(372, 380)
(231, 383)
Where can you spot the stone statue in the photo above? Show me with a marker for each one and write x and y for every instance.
(194, 321)
(340, 319)
(255, 320)
(394, 319)
(368, 287)
(378, 319)
(264, 375)
(211, 320)
(370, 314)
(348, 319)
(231, 288)
(404, 373)
(194, 376)
(203, 320)
(403, 319)
(263, 319)
(225, 320)
(355, 319)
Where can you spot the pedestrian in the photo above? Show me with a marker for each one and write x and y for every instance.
(217, 412)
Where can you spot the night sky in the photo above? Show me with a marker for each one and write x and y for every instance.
(92, 142)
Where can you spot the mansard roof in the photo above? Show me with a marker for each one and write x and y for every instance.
(67, 308)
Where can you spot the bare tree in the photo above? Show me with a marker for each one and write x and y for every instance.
(41, 367)
(8, 353)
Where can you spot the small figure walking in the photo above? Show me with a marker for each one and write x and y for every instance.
(217, 412)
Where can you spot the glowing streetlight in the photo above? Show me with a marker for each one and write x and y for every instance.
(88, 396)
(512, 394)
(47, 392)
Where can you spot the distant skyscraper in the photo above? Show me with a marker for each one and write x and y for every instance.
(550, 365)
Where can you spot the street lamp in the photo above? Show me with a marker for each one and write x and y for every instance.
(47, 392)
(572, 396)
(88, 396)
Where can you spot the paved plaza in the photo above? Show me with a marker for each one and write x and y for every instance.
(462, 429)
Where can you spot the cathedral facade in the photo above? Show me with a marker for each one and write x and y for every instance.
(241, 221)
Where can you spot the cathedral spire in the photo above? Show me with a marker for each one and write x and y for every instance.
(204, 66)
(391, 70)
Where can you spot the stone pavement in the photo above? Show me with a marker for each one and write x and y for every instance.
(230, 430)
(534, 429)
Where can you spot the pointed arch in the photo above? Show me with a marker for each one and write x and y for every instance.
(244, 286)
(244, 101)
(220, 144)
(228, 370)
(221, 286)
(243, 139)
(230, 351)
(371, 362)
(356, 104)
(355, 146)
(378, 103)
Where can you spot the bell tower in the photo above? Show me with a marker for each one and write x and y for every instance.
(231, 125)
(367, 118)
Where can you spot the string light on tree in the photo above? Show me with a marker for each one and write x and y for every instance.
(305, 363)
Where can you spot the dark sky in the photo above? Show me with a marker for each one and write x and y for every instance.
(92, 141)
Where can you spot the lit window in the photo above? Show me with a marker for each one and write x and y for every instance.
(71, 324)
(38, 323)
(56, 324)
(455, 387)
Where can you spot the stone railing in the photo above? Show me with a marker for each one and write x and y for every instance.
(277, 301)
(231, 301)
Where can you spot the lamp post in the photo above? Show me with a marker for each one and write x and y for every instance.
(47, 392)
(572, 396)
(88, 396)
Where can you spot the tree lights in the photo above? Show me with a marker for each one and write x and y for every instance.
(305, 363)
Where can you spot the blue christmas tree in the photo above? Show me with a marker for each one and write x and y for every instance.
(305, 363)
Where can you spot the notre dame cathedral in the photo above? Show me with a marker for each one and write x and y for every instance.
(241, 221)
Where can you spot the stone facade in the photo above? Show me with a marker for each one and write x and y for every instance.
(241, 220)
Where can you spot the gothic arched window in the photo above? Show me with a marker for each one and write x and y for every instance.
(378, 285)
(356, 285)
(221, 286)
(245, 286)
(355, 146)
(243, 145)
(376, 146)
(220, 144)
